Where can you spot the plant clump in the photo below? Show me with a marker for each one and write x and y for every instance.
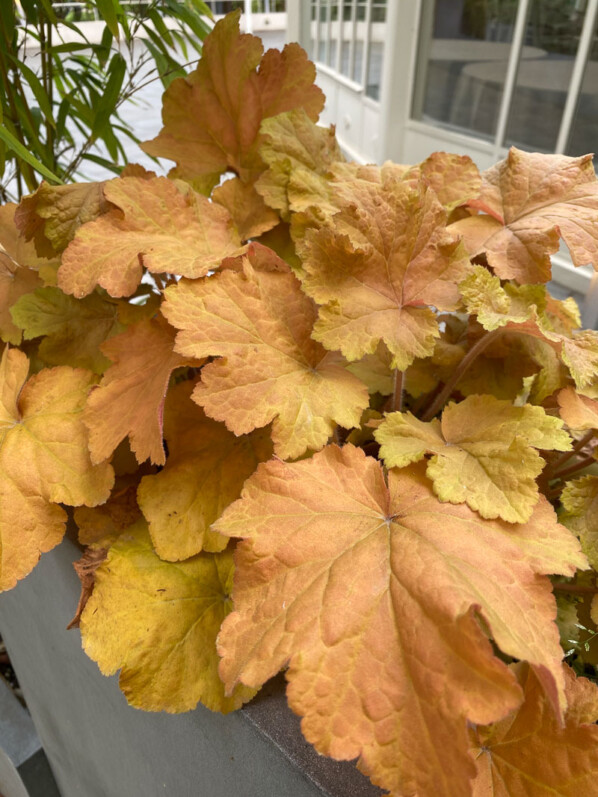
(322, 416)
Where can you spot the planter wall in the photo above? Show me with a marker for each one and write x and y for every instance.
(98, 746)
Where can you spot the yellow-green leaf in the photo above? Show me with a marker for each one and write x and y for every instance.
(484, 452)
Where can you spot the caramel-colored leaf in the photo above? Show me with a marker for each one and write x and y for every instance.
(529, 754)
(484, 452)
(205, 471)
(271, 370)
(580, 501)
(155, 224)
(578, 412)
(85, 568)
(100, 526)
(251, 215)
(157, 623)
(372, 594)
(533, 199)
(15, 281)
(44, 461)
(62, 209)
(130, 398)
(385, 257)
(22, 250)
(212, 117)
(455, 179)
(73, 329)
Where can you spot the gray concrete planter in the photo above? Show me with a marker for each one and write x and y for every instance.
(98, 746)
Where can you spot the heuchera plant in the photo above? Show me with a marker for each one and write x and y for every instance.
(320, 416)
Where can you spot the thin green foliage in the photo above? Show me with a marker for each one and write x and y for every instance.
(61, 94)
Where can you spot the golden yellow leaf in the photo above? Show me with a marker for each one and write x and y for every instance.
(580, 501)
(72, 329)
(155, 224)
(259, 323)
(371, 593)
(376, 269)
(484, 452)
(157, 623)
(578, 412)
(528, 754)
(44, 461)
(129, 400)
(212, 117)
(205, 471)
(532, 199)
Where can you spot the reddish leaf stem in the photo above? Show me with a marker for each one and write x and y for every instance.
(577, 446)
(397, 395)
(579, 465)
(459, 371)
(577, 589)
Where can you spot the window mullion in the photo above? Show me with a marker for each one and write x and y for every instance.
(511, 76)
(581, 59)
(366, 45)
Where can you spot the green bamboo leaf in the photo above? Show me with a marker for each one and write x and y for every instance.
(109, 12)
(111, 93)
(38, 90)
(23, 153)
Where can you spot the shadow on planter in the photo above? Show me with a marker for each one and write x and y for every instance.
(98, 746)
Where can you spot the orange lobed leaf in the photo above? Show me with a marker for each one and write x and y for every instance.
(455, 179)
(129, 400)
(251, 215)
(212, 117)
(44, 461)
(271, 370)
(578, 412)
(383, 259)
(532, 199)
(371, 593)
(205, 471)
(155, 224)
(529, 754)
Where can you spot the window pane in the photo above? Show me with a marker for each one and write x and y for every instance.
(553, 26)
(375, 55)
(584, 131)
(462, 36)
